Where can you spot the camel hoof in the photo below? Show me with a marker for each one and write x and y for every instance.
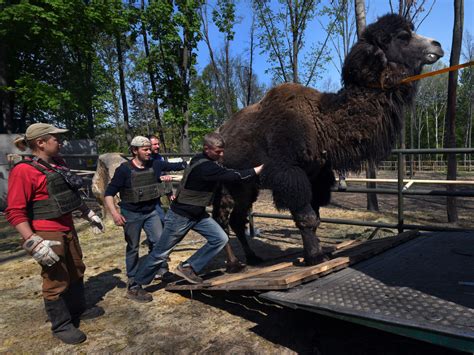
(316, 259)
(235, 267)
(254, 259)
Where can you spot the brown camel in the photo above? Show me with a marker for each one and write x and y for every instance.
(301, 134)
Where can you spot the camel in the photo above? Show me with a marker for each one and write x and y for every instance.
(301, 134)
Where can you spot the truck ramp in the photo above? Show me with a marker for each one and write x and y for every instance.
(422, 289)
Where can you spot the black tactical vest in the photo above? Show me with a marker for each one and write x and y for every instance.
(144, 186)
(62, 199)
(193, 197)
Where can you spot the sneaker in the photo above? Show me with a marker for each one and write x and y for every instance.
(138, 294)
(187, 273)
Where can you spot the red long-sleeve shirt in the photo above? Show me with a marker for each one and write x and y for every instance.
(27, 184)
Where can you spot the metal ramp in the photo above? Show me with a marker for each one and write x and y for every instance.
(281, 275)
(422, 289)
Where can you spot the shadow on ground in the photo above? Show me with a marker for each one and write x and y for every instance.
(309, 333)
(99, 285)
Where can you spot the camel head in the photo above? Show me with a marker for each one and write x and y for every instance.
(388, 51)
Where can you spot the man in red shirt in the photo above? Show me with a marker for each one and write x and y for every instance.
(42, 193)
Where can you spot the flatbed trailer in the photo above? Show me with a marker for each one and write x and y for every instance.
(418, 286)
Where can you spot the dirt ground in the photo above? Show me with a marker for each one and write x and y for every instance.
(205, 322)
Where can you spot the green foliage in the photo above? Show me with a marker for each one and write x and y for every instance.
(52, 59)
(59, 64)
(224, 17)
(175, 32)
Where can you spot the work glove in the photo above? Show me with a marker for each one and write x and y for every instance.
(96, 223)
(40, 250)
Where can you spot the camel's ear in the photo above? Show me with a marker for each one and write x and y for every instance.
(364, 64)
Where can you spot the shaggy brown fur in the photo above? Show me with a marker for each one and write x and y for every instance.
(301, 134)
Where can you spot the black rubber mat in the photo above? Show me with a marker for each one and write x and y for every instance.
(425, 284)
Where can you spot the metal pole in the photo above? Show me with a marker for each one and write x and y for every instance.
(400, 191)
(251, 224)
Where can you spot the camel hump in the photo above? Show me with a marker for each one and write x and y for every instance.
(287, 92)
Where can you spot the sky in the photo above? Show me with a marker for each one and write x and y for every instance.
(438, 25)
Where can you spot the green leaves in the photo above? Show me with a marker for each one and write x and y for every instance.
(223, 16)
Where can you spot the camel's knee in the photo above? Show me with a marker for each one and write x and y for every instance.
(222, 207)
(237, 221)
(306, 218)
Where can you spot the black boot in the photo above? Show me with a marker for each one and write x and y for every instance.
(76, 303)
(61, 322)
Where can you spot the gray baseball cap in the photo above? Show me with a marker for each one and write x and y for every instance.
(140, 141)
(37, 130)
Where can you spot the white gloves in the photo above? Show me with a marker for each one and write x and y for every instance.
(40, 250)
(96, 223)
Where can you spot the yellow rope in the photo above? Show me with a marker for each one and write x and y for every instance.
(436, 72)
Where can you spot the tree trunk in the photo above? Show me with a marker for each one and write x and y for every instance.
(227, 80)
(221, 78)
(412, 139)
(89, 108)
(151, 74)
(7, 98)
(185, 146)
(250, 71)
(450, 130)
(123, 93)
(4, 107)
(360, 16)
(372, 202)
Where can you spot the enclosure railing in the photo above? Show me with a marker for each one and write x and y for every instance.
(401, 191)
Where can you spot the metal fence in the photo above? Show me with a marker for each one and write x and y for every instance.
(400, 191)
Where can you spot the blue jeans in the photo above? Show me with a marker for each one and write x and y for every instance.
(160, 211)
(176, 227)
(136, 221)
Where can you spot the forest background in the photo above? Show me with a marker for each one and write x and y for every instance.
(108, 70)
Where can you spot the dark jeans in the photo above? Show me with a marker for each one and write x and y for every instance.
(160, 212)
(136, 221)
(176, 227)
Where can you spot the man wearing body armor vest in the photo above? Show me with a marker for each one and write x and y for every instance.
(188, 212)
(139, 183)
(42, 193)
(155, 155)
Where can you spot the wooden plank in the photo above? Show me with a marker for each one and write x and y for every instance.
(244, 275)
(345, 244)
(258, 271)
(286, 275)
(376, 245)
(365, 252)
(311, 270)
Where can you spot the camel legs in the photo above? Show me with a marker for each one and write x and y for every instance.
(307, 220)
(238, 220)
(223, 204)
(237, 199)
